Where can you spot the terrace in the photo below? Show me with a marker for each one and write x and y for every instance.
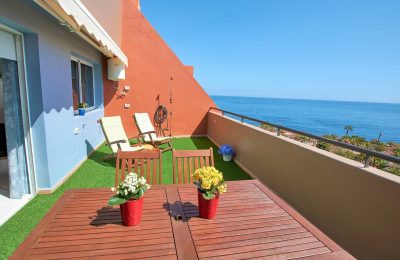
(348, 205)
(321, 195)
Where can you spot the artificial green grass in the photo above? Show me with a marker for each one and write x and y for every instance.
(95, 173)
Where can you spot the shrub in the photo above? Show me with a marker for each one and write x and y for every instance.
(323, 146)
(267, 127)
(302, 138)
(396, 152)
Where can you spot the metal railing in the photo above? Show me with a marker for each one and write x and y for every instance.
(368, 153)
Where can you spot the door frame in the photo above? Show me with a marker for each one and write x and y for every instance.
(23, 90)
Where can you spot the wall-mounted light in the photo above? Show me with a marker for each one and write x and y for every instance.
(121, 93)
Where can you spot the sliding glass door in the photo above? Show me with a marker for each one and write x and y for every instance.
(14, 115)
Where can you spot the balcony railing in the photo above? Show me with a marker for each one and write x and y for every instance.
(368, 153)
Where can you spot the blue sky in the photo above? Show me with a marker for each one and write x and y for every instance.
(312, 49)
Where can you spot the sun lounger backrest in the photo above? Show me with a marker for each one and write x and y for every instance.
(114, 131)
(144, 125)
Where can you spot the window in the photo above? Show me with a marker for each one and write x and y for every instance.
(82, 83)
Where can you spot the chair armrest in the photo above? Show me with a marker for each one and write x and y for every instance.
(148, 133)
(117, 142)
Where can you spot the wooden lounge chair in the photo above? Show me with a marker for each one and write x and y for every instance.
(149, 135)
(144, 163)
(185, 162)
(116, 137)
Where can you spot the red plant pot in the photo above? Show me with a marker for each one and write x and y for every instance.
(131, 212)
(207, 208)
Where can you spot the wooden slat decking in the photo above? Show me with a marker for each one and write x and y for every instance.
(252, 222)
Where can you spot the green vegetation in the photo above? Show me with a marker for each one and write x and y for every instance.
(268, 127)
(358, 141)
(380, 163)
(393, 170)
(323, 145)
(95, 173)
(303, 139)
(390, 148)
(348, 129)
(396, 152)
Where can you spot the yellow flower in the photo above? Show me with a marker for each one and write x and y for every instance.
(209, 178)
(205, 184)
(222, 188)
(215, 181)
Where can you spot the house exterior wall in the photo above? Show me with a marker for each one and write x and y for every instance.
(357, 207)
(151, 65)
(48, 47)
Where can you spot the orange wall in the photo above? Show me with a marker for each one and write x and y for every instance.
(151, 64)
(190, 69)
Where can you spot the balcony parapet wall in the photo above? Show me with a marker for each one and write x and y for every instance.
(357, 207)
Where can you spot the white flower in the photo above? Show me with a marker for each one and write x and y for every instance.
(131, 184)
(142, 181)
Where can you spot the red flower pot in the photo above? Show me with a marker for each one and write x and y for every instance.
(131, 212)
(207, 208)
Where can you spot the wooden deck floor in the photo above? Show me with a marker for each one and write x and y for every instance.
(251, 222)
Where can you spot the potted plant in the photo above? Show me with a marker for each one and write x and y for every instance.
(82, 108)
(129, 195)
(227, 152)
(210, 184)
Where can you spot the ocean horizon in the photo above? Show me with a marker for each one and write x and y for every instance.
(320, 117)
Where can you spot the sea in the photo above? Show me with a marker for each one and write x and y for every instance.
(320, 117)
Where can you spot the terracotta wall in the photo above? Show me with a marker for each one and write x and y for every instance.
(358, 208)
(151, 65)
(190, 69)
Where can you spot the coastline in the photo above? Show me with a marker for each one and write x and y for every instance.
(389, 148)
(320, 117)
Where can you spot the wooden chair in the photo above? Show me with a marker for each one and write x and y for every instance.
(148, 133)
(116, 137)
(185, 162)
(146, 163)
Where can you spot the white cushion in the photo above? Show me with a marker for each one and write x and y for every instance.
(144, 124)
(159, 139)
(114, 131)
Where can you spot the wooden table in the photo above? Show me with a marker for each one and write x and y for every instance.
(252, 222)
